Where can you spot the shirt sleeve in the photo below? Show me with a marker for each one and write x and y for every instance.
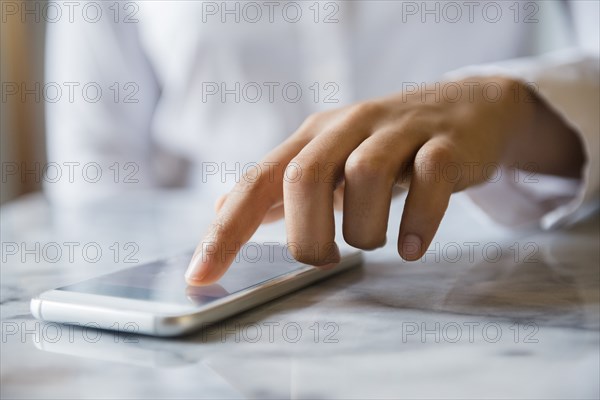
(569, 83)
(98, 128)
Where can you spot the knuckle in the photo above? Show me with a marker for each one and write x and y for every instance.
(440, 154)
(301, 174)
(246, 186)
(252, 184)
(363, 166)
(311, 125)
(364, 110)
(313, 119)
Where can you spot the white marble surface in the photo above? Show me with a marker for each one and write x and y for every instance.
(375, 316)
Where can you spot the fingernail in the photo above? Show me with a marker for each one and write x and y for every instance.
(197, 269)
(411, 247)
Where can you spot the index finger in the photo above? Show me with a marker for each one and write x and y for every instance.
(241, 214)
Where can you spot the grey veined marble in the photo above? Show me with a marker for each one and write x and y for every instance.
(488, 313)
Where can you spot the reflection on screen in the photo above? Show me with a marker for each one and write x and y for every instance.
(163, 280)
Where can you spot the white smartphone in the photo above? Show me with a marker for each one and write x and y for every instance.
(154, 299)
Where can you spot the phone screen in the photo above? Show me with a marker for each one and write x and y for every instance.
(163, 280)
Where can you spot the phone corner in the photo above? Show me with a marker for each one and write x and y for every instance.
(35, 307)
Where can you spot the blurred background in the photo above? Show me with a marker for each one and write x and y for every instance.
(22, 130)
(22, 120)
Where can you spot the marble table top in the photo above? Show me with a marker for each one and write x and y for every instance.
(488, 313)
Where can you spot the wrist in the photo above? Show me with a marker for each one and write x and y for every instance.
(538, 140)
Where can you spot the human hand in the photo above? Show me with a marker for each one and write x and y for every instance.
(430, 144)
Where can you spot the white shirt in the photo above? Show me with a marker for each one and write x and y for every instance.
(196, 69)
